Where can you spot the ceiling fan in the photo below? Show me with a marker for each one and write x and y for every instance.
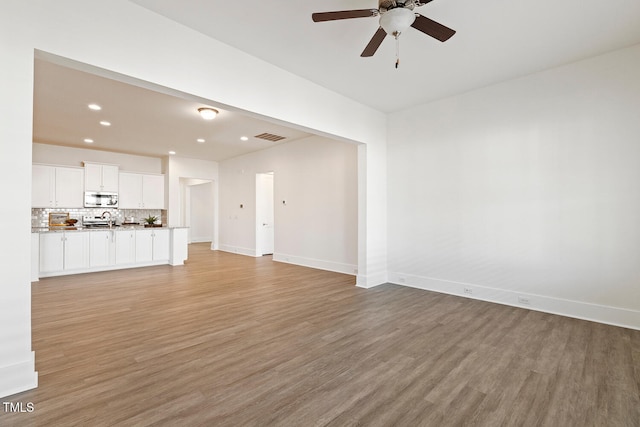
(395, 17)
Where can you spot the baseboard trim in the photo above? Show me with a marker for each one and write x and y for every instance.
(615, 316)
(319, 264)
(105, 268)
(18, 377)
(371, 281)
(238, 250)
(200, 240)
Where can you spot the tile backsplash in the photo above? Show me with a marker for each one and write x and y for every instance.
(40, 216)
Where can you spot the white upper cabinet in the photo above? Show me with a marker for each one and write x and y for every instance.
(69, 187)
(141, 191)
(43, 186)
(130, 193)
(57, 187)
(100, 177)
(153, 191)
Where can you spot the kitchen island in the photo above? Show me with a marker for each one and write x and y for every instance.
(64, 250)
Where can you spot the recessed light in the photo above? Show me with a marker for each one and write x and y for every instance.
(105, 123)
(88, 140)
(172, 152)
(200, 140)
(95, 107)
(244, 138)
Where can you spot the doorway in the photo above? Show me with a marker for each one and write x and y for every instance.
(198, 209)
(265, 231)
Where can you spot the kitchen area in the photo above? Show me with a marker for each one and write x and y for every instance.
(97, 217)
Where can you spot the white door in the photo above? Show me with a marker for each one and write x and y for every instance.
(264, 214)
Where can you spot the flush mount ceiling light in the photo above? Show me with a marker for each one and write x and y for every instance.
(94, 107)
(208, 113)
(88, 140)
(172, 152)
(244, 138)
(105, 123)
(200, 141)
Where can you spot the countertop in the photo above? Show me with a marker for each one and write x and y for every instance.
(80, 229)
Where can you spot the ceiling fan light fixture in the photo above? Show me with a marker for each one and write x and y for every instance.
(395, 21)
(208, 113)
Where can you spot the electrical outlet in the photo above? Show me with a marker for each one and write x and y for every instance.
(524, 300)
(467, 290)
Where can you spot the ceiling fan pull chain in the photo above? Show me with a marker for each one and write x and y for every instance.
(397, 51)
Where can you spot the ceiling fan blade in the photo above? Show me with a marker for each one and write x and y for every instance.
(375, 43)
(432, 28)
(344, 14)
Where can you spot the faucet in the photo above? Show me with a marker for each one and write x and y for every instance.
(110, 219)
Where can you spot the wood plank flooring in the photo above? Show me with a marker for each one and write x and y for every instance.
(228, 340)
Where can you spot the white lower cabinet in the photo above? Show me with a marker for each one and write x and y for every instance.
(152, 245)
(125, 243)
(161, 245)
(101, 248)
(144, 245)
(69, 252)
(63, 251)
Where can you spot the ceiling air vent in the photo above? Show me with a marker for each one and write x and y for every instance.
(270, 137)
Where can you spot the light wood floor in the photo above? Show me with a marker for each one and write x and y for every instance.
(238, 341)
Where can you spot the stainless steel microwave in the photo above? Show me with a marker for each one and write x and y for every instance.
(93, 199)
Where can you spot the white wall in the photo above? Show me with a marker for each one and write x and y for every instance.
(318, 226)
(71, 156)
(17, 361)
(123, 38)
(528, 188)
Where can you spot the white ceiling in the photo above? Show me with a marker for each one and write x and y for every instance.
(496, 40)
(143, 121)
